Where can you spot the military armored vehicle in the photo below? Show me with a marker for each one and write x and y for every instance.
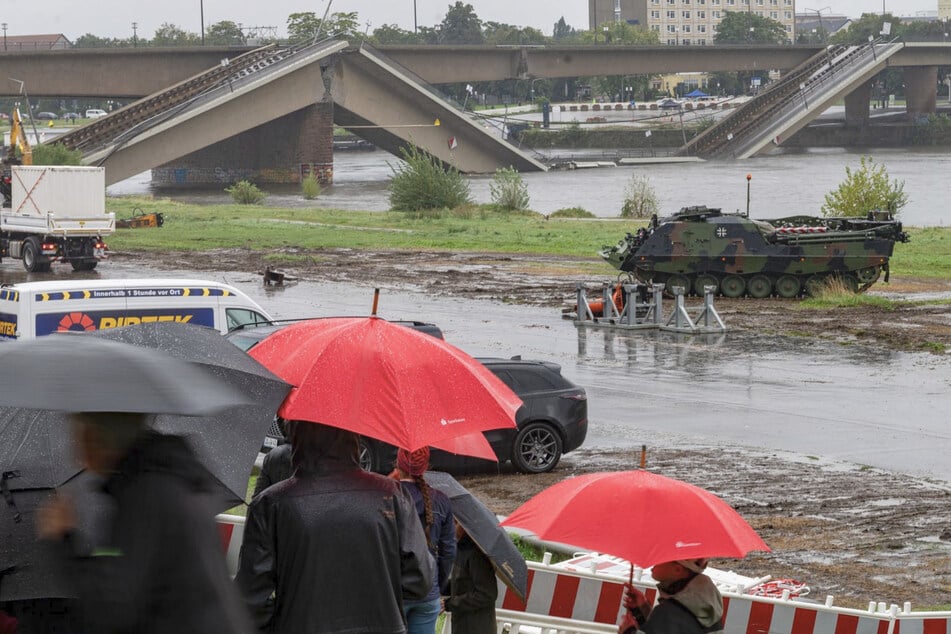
(700, 246)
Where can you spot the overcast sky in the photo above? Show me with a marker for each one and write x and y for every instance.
(113, 18)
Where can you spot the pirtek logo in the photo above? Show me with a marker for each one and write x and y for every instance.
(82, 321)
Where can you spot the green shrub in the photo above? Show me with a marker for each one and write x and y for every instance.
(421, 182)
(310, 187)
(865, 189)
(572, 212)
(640, 201)
(56, 154)
(245, 193)
(509, 190)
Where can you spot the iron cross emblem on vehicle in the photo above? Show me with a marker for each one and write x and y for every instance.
(721, 232)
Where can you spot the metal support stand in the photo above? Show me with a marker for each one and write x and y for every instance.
(679, 318)
(643, 308)
(709, 314)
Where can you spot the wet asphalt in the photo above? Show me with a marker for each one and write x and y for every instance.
(854, 403)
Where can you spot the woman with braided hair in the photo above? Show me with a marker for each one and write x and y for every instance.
(435, 513)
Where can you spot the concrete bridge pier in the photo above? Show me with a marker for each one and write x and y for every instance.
(921, 95)
(857, 104)
(284, 150)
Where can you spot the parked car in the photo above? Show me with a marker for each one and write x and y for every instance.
(72, 115)
(47, 116)
(669, 104)
(552, 421)
(95, 113)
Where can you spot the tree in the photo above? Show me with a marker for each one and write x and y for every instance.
(304, 27)
(741, 27)
(640, 199)
(864, 190)
(620, 34)
(170, 35)
(563, 31)
(860, 30)
(224, 33)
(94, 41)
(392, 34)
(461, 25)
(499, 33)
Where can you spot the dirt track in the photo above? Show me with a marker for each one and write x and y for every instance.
(856, 533)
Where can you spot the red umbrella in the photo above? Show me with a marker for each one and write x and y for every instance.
(386, 381)
(469, 445)
(639, 516)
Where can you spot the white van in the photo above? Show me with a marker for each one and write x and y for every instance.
(95, 113)
(34, 309)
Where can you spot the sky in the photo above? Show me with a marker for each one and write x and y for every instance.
(114, 18)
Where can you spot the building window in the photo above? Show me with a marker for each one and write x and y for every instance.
(730, 3)
(686, 28)
(671, 15)
(702, 42)
(671, 42)
(671, 28)
(774, 15)
(655, 27)
(686, 42)
(701, 28)
(686, 15)
(701, 15)
(655, 15)
(788, 15)
(716, 15)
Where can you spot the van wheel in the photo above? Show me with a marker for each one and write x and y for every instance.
(33, 260)
(84, 265)
(537, 448)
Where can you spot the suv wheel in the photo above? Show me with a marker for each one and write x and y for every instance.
(537, 448)
(369, 456)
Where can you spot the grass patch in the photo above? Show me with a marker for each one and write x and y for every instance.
(833, 293)
(934, 347)
(465, 228)
(534, 553)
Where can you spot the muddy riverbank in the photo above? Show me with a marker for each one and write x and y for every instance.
(852, 531)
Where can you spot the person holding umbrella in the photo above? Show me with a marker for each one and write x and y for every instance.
(472, 589)
(161, 568)
(333, 548)
(688, 602)
(435, 514)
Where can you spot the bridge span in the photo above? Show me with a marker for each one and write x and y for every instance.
(137, 72)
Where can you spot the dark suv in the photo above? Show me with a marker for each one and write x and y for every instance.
(552, 421)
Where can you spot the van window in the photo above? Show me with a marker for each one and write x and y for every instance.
(238, 317)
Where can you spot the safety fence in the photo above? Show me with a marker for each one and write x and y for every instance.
(560, 599)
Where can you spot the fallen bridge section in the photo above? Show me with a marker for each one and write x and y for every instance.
(387, 105)
(250, 95)
(793, 102)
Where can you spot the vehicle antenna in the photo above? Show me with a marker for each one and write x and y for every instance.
(749, 177)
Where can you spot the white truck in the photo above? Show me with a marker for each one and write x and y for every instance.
(56, 214)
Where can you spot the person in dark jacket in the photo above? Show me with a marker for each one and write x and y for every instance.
(332, 548)
(162, 568)
(688, 602)
(435, 513)
(277, 463)
(473, 589)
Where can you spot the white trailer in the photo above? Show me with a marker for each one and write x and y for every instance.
(56, 214)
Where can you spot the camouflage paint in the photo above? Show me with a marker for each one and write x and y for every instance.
(699, 241)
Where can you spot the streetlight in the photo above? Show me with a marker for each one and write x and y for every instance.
(4, 36)
(415, 27)
(818, 13)
(135, 32)
(201, 4)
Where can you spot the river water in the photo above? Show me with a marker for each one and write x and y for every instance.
(786, 184)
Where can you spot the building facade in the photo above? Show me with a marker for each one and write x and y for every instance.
(944, 9)
(689, 22)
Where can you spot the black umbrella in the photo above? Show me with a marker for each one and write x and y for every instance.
(79, 373)
(483, 527)
(36, 453)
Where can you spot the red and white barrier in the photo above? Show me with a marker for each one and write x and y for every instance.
(591, 598)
